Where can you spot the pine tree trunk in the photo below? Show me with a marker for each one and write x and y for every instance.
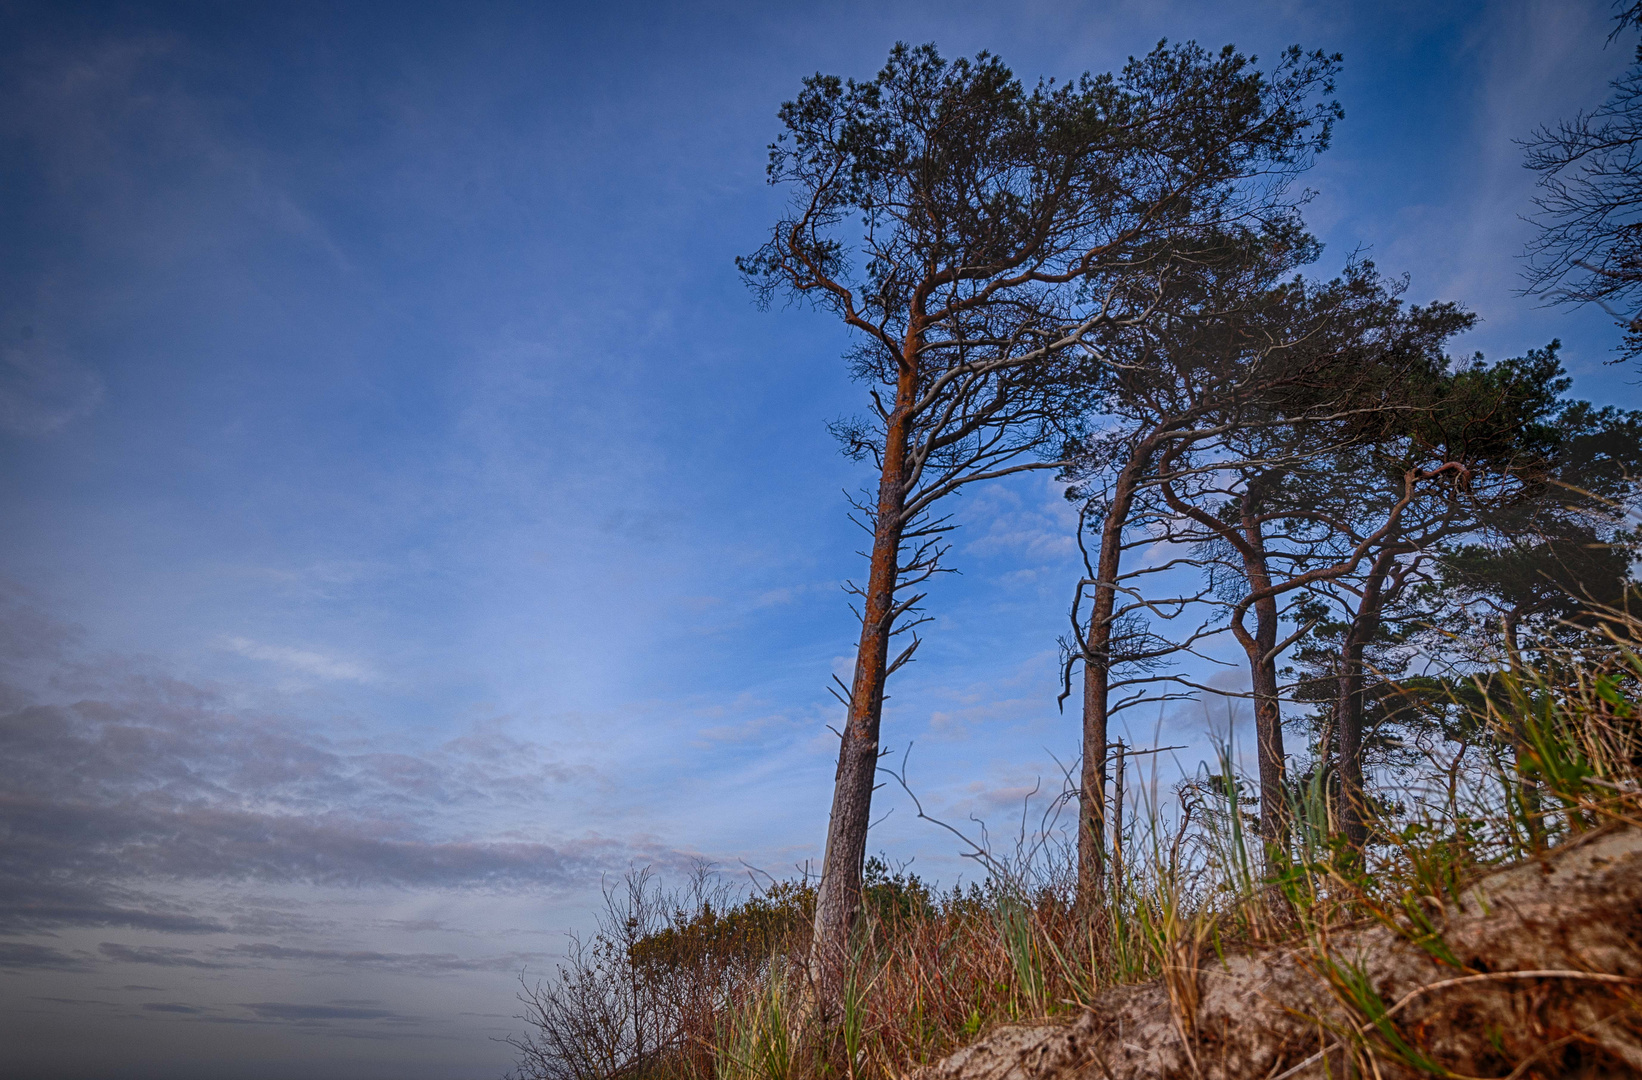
(1092, 784)
(1348, 707)
(1348, 711)
(1268, 731)
(838, 897)
(1097, 678)
(1268, 713)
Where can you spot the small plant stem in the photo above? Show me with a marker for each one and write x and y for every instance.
(1117, 823)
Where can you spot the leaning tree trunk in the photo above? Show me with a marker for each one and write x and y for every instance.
(1247, 536)
(1261, 649)
(1348, 707)
(1097, 681)
(838, 897)
(1092, 778)
(1268, 731)
(1348, 711)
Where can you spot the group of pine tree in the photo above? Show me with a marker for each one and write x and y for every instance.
(1108, 278)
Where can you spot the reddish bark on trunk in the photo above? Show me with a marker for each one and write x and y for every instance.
(838, 897)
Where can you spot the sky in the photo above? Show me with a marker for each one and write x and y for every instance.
(411, 521)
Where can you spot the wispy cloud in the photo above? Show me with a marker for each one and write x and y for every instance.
(35, 957)
(306, 661)
(157, 955)
(262, 954)
(417, 963)
(755, 729)
(99, 799)
(112, 803)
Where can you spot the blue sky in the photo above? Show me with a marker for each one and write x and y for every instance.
(410, 517)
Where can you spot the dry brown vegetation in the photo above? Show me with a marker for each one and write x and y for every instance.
(1418, 959)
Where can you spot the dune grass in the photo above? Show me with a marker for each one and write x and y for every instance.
(701, 982)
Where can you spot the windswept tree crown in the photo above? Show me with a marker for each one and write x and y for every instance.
(991, 216)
